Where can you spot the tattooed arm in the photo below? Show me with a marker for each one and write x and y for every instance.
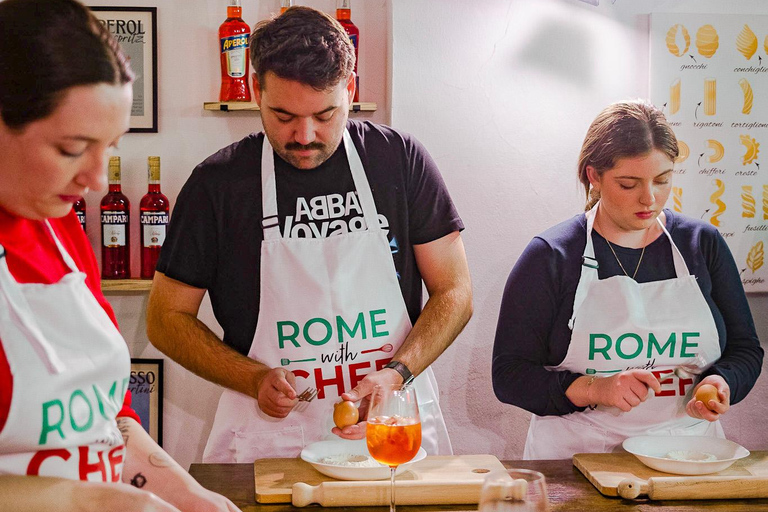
(150, 468)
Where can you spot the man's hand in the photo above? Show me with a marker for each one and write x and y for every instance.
(276, 393)
(698, 409)
(624, 390)
(361, 392)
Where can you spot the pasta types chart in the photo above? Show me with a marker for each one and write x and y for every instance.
(709, 74)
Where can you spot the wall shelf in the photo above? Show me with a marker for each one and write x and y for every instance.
(233, 106)
(125, 285)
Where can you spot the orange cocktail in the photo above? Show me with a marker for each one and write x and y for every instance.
(393, 440)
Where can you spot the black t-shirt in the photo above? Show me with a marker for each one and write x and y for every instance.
(214, 238)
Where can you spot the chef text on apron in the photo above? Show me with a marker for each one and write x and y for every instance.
(330, 311)
(70, 368)
(617, 325)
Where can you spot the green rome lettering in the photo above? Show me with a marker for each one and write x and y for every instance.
(109, 405)
(652, 342)
(342, 327)
(620, 343)
(282, 336)
(685, 345)
(375, 323)
(328, 331)
(72, 421)
(594, 349)
(49, 426)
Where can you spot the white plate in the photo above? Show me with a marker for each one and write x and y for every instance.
(652, 451)
(314, 452)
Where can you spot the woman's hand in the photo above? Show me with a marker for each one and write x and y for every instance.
(624, 390)
(54, 494)
(698, 409)
(200, 499)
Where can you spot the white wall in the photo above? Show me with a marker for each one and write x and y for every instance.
(501, 92)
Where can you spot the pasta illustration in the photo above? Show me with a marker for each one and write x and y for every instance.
(677, 199)
(707, 40)
(748, 96)
(674, 97)
(710, 96)
(755, 257)
(753, 149)
(747, 202)
(718, 149)
(715, 199)
(672, 40)
(746, 43)
(683, 151)
(765, 202)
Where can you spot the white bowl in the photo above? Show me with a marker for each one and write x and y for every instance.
(314, 452)
(652, 451)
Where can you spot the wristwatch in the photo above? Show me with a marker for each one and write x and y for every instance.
(403, 370)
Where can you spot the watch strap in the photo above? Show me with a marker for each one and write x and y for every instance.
(403, 370)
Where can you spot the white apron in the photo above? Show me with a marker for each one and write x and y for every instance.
(331, 311)
(619, 324)
(70, 368)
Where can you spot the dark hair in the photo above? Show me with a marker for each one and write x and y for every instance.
(304, 45)
(624, 129)
(46, 47)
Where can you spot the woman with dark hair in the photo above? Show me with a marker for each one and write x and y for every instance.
(68, 438)
(612, 320)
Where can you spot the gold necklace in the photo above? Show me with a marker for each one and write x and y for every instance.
(619, 261)
(642, 253)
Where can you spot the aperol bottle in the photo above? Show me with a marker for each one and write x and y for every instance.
(79, 208)
(115, 232)
(233, 43)
(154, 208)
(343, 15)
(285, 5)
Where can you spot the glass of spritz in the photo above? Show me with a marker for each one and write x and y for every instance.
(393, 434)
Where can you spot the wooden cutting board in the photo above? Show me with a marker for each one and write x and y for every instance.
(435, 480)
(622, 474)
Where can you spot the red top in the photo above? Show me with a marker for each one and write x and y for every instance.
(33, 257)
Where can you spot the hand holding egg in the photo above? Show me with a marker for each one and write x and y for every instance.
(711, 399)
(345, 413)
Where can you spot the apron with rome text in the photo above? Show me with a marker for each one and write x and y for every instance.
(70, 369)
(330, 311)
(619, 324)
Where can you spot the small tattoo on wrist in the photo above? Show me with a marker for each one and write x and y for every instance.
(139, 481)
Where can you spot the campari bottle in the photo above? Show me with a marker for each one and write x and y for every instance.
(233, 44)
(115, 231)
(79, 208)
(284, 5)
(154, 208)
(343, 14)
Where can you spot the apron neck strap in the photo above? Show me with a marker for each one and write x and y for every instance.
(11, 294)
(589, 264)
(270, 223)
(64, 254)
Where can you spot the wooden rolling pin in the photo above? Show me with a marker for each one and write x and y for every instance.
(695, 488)
(408, 492)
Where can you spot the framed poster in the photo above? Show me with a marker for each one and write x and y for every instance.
(135, 29)
(146, 385)
(708, 73)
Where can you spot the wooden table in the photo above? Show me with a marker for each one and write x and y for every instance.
(567, 487)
